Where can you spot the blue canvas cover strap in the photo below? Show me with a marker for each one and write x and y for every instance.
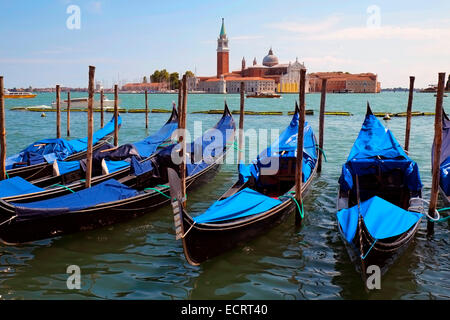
(382, 219)
(244, 203)
(16, 186)
(108, 191)
(376, 148)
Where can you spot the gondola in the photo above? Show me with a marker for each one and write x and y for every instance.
(71, 174)
(444, 178)
(260, 199)
(113, 201)
(36, 161)
(112, 162)
(379, 188)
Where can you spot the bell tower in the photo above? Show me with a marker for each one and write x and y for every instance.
(222, 52)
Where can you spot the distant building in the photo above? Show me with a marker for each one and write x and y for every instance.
(345, 82)
(157, 87)
(271, 76)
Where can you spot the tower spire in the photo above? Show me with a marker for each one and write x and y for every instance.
(222, 30)
(222, 52)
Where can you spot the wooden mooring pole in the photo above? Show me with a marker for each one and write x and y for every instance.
(102, 119)
(409, 112)
(241, 123)
(299, 160)
(146, 109)
(90, 126)
(321, 123)
(180, 99)
(58, 112)
(116, 115)
(68, 113)
(182, 140)
(2, 132)
(436, 152)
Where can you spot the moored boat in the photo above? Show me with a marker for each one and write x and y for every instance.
(18, 95)
(262, 197)
(83, 103)
(379, 191)
(36, 161)
(444, 174)
(263, 95)
(38, 216)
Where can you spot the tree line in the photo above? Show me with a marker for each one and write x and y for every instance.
(164, 76)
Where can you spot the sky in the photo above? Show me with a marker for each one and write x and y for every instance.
(42, 44)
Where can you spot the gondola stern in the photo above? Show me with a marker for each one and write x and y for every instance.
(179, 213)
(226, 110)
(297, 109)
(176, 197)
(174, 114)
(369, 110)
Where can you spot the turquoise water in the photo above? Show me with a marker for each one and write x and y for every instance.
(141, 259)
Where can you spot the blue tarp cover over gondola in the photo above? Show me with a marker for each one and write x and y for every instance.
(248, 202)
(244, 203)
(201, 152)
(16, 186)
(119, 158)
(284, 147)
(444, 179)
(48, 150)
(381, 218)
(376, 148)
(108, 191)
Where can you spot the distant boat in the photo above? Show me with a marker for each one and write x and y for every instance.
(343, 91)
(431, 88)
(18, 95)
(83, 103)
(444, 95)
(263, 95)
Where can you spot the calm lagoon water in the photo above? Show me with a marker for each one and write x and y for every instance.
(140, 259)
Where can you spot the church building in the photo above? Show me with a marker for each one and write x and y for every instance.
(269, 77)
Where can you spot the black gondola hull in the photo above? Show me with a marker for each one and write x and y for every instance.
(205, 241)
(45, 170)
(18, 231)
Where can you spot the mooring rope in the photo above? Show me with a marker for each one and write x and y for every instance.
(421, 209)
(9, 220)
(185, 234)
(302, 214)
(322, 152)
(60, 185)
(154, 189)
(367, 253)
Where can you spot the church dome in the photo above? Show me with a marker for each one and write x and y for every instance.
(270, 60)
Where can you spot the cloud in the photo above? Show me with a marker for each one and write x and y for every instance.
(307, 28)
(245, 37)
(384, 33)
(329, 29)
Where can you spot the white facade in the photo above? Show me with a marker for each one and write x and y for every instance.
(234, 85)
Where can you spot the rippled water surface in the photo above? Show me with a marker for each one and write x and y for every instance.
(140, 259)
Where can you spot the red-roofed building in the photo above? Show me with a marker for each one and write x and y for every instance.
(155, 87)
(345, 82)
